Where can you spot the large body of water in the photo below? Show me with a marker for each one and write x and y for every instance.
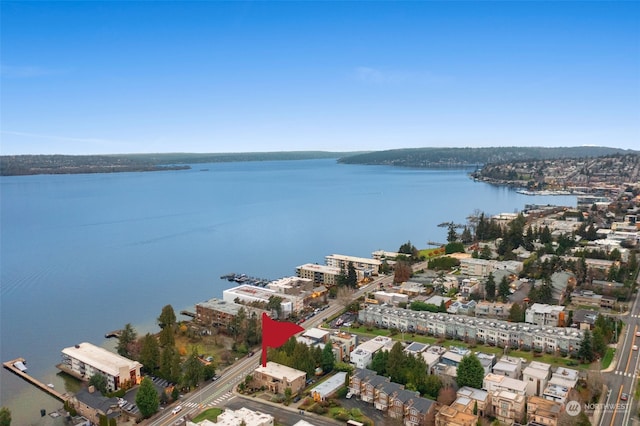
(84, 254)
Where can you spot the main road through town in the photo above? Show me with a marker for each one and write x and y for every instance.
(622, 380)
(220, 392)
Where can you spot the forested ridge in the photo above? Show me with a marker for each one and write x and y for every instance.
(13, 165)
(450, 157)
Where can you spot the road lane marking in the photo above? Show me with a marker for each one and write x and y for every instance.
(631, 352)
(615, 410)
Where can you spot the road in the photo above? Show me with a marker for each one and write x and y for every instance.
(623, 378)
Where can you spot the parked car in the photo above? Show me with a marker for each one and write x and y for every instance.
(176, 410)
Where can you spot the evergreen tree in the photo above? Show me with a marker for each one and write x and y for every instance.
(490, 287)
(516, 314)
(167, 337)
(99, 382)
(352, 276)
(253, 336)
(470, 372)
(167, 317)
(147, 398)
(394, 363)
(432, 386)
(379, 362)
(149, 353)
(328, 359)
(598, 342)
(127, 337)
(585, 353)
(166, 363)
(503, 289)
(193, 370)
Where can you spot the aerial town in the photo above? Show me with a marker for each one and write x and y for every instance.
(526, 318)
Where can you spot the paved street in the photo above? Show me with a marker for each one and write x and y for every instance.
(623, 377)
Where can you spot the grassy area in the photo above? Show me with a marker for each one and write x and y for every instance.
(342, 414)
(210, 414)
(552, 359)
(607, 358)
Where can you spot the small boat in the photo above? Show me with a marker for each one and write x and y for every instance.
(50, 385)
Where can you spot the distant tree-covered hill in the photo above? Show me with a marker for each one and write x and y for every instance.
(13, 165)
(448, 157)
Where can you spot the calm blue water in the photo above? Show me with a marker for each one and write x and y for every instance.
(84, 254)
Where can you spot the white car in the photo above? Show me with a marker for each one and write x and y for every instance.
(637, 333)
(634, 347)
(177, 409)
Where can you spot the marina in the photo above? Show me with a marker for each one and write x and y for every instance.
(244, 279)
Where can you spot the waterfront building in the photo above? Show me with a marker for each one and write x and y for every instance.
(382, 255)
(303, 291)
(277, 377)
(367, 267)
(85, 360)
(544, 315)
(92, 405)
(476, 267)
(249, 294)
(220, 313)
(320, 274)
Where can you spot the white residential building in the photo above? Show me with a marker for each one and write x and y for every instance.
(363, 354)
(495, 382)
(545, 315)
(85, 360)
(368, 267)
(536, 375)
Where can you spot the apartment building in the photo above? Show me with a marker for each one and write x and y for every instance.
(85, 360)
(249, 294)
(476, 267)
(492, 332)
(453, 416)
(220, 313)
(545, 315)
(364, 266)
(277, 377)
(476, 397)
(508, 367)
(345, 343)
(495, 310)
(320, 274)
(362, 355)
(494, 382)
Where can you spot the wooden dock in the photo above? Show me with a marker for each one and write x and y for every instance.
(9, 365)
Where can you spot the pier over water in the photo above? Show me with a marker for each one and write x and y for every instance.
(10, 365)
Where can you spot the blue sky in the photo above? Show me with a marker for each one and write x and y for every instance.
(116, 77)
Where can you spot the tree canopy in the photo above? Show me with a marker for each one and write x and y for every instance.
(147, 398)
(470, 372)
(167, 317)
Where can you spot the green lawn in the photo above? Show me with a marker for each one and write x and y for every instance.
(607, 358)
(210, 414)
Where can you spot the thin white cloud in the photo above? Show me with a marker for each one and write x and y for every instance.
(27, 71)
(371, 75)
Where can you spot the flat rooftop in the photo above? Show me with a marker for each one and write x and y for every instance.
(100, 358)
(280, 371)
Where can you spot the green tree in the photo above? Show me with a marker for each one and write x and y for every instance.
(193, 370)
(167, 362)
(490, 287)
(167, 317)
(516, 314)
(432, 386)
(395, 363)
(275, 305)
(585, 353)
(150, 353)
(167, 336)
(287, 395)
(252, 336)
(598, 342)
(99, 382)
(147, 398)
(454, 247)
(127, 337)
(379, 362)
(5, 416)
(503, 289)
(328, 359)
(470, 372)
(352, 276)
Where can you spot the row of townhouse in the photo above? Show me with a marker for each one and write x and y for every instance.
(390, 398)
(492, 332)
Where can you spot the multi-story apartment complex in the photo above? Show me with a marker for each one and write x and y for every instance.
(219, 313)
(276, 378)
(364, 266)
(543, 412)
(536, 375)
(390, 398)
(85, 360)
(545, 315)
(508, 407)
(320, 274)
(249, 293)
(492, 310)
(492, 332)
(476, 267)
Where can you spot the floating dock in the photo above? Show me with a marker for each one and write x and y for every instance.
(244, 279)
(11, 366)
